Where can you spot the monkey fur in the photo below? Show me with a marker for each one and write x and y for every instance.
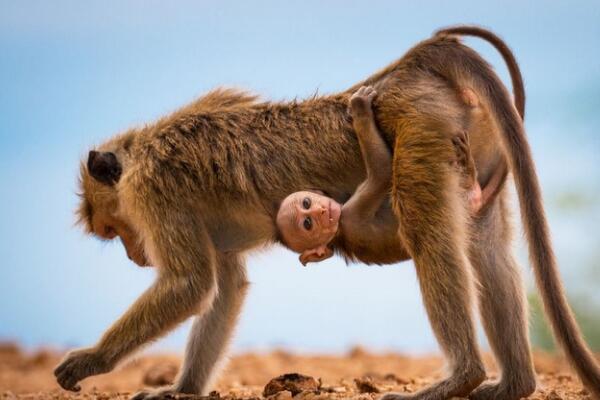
(198, 189)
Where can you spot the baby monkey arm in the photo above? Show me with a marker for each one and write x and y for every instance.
(369, 196)
(368, 227)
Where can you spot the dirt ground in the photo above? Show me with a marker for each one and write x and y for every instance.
(356, 375)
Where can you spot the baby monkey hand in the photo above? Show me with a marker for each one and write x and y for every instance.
(361, 102)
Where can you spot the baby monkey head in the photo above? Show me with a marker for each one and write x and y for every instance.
(307, 222)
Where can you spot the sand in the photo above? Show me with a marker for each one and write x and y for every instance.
(356, 375)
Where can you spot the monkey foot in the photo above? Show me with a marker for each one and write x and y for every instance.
(490, 391)
(458, 385)
(157, 394)
(410, 396)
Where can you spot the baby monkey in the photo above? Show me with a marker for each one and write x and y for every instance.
(313, 224)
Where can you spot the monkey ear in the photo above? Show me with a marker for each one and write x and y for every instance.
(104, 167)
(317, 254)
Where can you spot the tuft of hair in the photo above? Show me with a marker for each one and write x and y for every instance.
(83, 213)
(221, 99)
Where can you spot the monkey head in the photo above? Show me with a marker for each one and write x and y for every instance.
(99, 210)
(307, 223)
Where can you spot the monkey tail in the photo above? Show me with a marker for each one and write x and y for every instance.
(496, 182)
(533, 218)
(505, 52)
(541, 253)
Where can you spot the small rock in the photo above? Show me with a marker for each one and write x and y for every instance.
(333, 389)
(308, 395)
(8, 395)
(283, 395)
(393, 377)
(366, 385)
(552, 395)
(160, 375)
(357, 352)
(584, 392)
(9, 348)
(294, 383)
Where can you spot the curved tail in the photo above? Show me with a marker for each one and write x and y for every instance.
(533, 216)
(505, 52)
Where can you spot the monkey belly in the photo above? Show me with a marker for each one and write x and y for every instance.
(237, 228)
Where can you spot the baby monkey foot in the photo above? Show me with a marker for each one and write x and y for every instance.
(465, 162)
(361, 101)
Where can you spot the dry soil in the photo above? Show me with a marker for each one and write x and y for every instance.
(356, 375)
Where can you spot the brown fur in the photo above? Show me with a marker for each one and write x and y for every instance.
(203, 185)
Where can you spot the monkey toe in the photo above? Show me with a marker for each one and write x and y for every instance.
(142, 395)
(65, 378)
(488, 392)
(154, 394)
(395, 396)
(460, 142)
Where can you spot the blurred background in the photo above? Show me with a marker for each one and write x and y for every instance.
(74, 73)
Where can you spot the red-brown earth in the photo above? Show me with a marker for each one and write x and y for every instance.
(356, 375)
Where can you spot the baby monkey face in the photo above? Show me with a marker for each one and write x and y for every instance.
(308, 220)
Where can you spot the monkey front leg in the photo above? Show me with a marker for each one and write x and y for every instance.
(186, 286)
(170, 301)
(210, 333)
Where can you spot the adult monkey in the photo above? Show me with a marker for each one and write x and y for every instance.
(193, 192)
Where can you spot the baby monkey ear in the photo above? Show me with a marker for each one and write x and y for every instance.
(317, 254)
(104, 167)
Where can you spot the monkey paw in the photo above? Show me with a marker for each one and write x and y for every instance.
(157, 394)
(78, 365)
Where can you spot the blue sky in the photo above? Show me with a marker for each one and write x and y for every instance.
(74, 73)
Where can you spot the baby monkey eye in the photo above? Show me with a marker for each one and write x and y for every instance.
(307, 223)
(306, 203)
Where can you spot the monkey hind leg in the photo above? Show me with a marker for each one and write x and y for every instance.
(503, 306)
(427, 200)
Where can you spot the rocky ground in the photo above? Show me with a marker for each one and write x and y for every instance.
(356, 375)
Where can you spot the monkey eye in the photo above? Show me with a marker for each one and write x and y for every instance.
(307, 223)
(306, 203)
